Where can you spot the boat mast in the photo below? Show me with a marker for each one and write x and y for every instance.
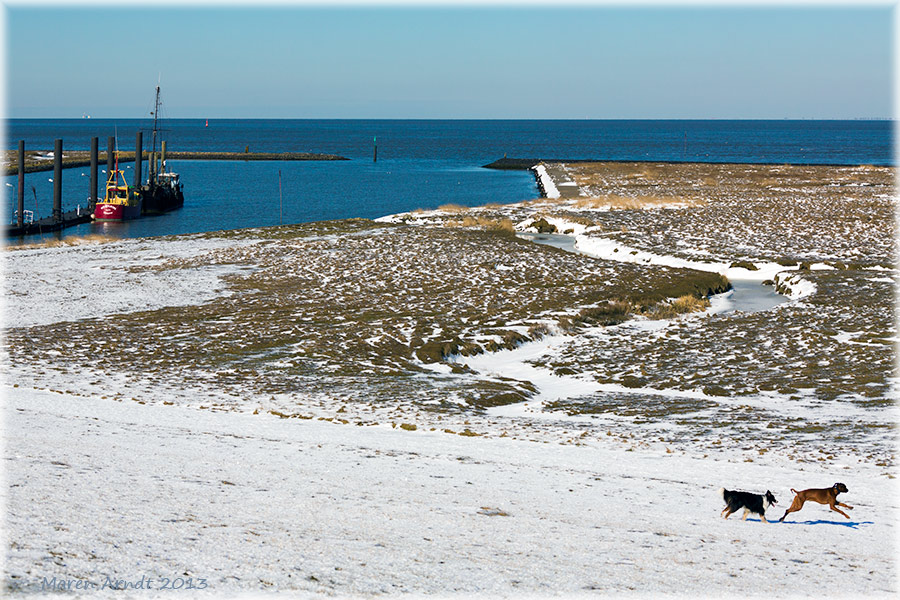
(155, 120)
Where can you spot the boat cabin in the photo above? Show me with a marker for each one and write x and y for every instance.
(118, 192)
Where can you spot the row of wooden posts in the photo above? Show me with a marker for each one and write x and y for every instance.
(57, 172)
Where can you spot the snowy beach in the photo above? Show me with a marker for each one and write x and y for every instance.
(431, 405)
(240, 503)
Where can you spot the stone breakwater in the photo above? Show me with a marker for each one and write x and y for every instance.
(544, 183)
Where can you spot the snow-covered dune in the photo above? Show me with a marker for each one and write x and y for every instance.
(231, 503)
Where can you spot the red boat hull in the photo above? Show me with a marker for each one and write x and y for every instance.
(116, 212)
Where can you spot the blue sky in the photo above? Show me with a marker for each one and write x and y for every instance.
(602, 62)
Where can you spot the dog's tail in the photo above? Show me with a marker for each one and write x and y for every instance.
(722, 493)
(795, 491)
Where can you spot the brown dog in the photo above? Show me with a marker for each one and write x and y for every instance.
(822, 496)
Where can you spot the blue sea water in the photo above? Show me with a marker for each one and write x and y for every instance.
(421, 164)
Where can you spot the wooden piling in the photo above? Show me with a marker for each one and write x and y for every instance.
(20, 212)
(57, 180)
(94, 161)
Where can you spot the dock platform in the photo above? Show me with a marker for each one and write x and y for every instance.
(49, 224)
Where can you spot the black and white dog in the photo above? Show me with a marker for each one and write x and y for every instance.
(751, 503)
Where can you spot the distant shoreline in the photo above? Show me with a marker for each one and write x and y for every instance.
(470, 119)
(524, 164)
(37, 161)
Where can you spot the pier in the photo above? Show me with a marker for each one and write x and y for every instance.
(50, 224)
(36, 161)
(24, 221)
(19, 162)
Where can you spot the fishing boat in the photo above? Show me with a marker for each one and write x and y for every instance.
(121, 202)
(163, 191)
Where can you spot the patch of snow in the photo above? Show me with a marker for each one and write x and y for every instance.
(549, 187)
(796, 286)
(562, 225)
(39, 292)
(317, 508)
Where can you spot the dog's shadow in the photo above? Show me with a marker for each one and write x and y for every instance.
(849, 524)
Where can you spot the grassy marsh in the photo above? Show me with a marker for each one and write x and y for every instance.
(362, 317)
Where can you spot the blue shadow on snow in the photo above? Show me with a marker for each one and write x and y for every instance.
(850, 524)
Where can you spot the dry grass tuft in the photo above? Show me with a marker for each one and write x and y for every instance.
(503, 225)
(636, 202)
(452, 208)
(92, 238)
(579, 219)
(688, 304)
(679, 306)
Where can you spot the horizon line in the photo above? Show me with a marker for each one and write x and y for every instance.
(91, 117)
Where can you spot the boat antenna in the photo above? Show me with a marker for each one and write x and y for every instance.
(155, 114)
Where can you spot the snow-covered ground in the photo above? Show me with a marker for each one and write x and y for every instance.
(262, 419)
(104, 491)
(52, 284)
(109, 492)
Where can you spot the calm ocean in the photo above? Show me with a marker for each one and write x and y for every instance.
(421, 164)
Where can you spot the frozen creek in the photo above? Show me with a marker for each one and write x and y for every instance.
(746, 296)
